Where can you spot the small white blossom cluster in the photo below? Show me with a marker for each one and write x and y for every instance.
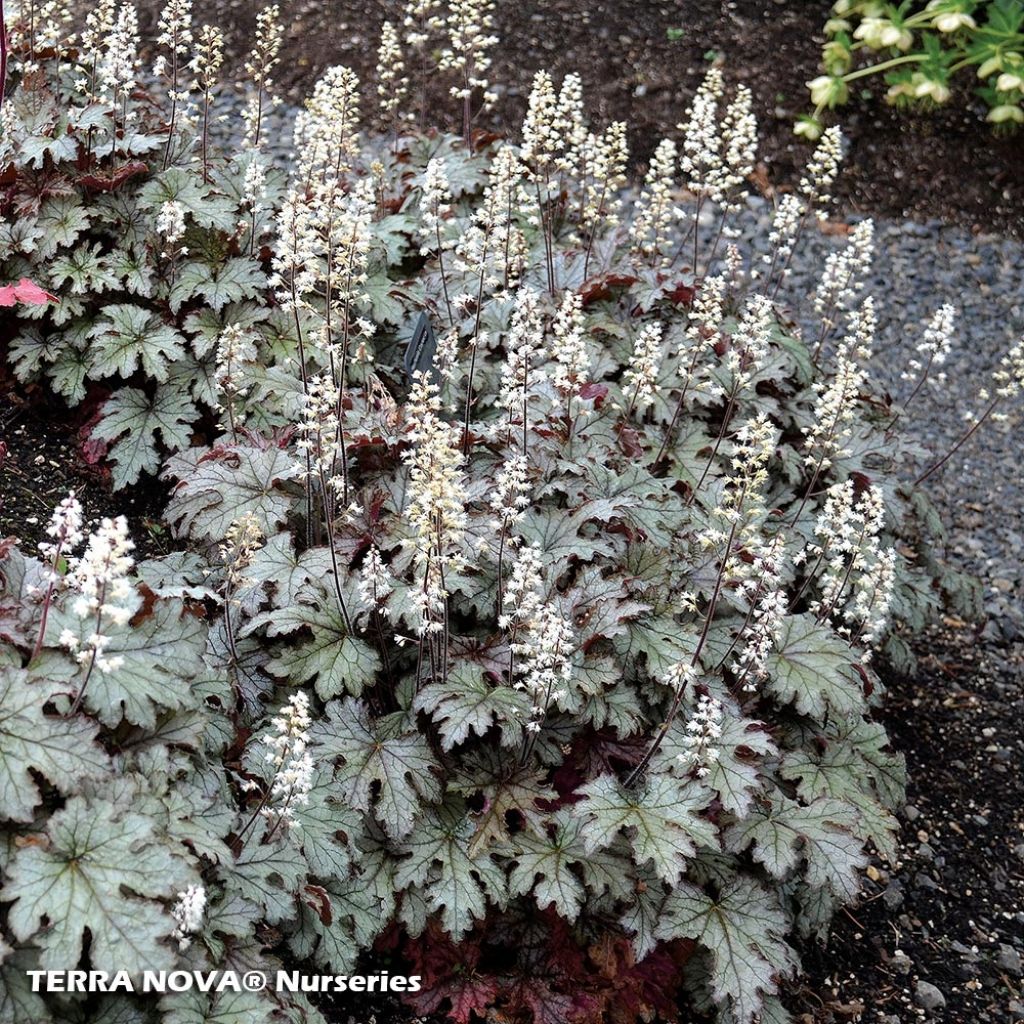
(342, 220)
(718, 154)
(511, 487)
(289, 755)
(392, 82)
(295, 254)
(753, 448)
(851, 553)
(569, 346)
(524, 344)
(542, 638)
(470, 41)
(64, 529)
(1009, 376)
(566, 162)
(421, 18)
(935, 345)
(119, 64)
(835, 408)
(701, 157)
(794, 207)
(822, 170)
(703, 731)
(787, 222)
(326, 133)
(319, 443)
(99, 579)
(436, 511)
(750, 342)
(640, 380)
(243, 539)
(555, 133)
(843, 277)
(769, 606)
(757, 577)
(38, 27)
(435, 205)
(254, 184)
(258, 69)
(602, 169)
(170, 222)
(188, 914)
(494, 247)
(706, 315)
(98, 28)
(656, 214)
(175, 36)
(375, 581)
(236, 349)
(209, 56)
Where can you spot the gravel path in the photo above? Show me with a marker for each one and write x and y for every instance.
(939, 936)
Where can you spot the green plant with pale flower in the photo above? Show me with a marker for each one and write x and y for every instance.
(919, 49)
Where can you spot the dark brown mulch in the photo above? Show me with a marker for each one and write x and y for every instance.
(41, 461)
(641, 61)
(954, 903)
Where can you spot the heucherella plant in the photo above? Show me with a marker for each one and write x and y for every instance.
(529, 586)
(119, 207)
(918, 47)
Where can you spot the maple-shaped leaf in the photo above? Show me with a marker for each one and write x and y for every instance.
(328, 829)
(100, 870)
(337, 921)
(544, 867)
(735, 773)
(643, 912)
(227, 1007)
(26, 292)
(661, 820)
(601, 605)
(558, 869)
(127, 337)
(742, 931)
(217, 284)
(132, 419)
(813, 669)
(507, 795)
(449, 973)
(658, 638)
(559, 534)
(159, 658)
(465, 703)
(383, 770)
(217, 485)
(785, 831)
(851, 764)
(268, 874)
(339, 663)
(853, 757)
(61, 750)
(277, 567)
(18, 1003)
(457, 886)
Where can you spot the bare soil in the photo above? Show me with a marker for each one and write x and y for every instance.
(641, 61)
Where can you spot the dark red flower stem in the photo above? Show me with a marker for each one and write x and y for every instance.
(3, 53)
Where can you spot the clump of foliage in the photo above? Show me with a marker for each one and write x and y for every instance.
(105, 206)
(919, 48)
(529, 585)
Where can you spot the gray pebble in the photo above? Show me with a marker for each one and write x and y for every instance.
(928, 997)
(1009, 960)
